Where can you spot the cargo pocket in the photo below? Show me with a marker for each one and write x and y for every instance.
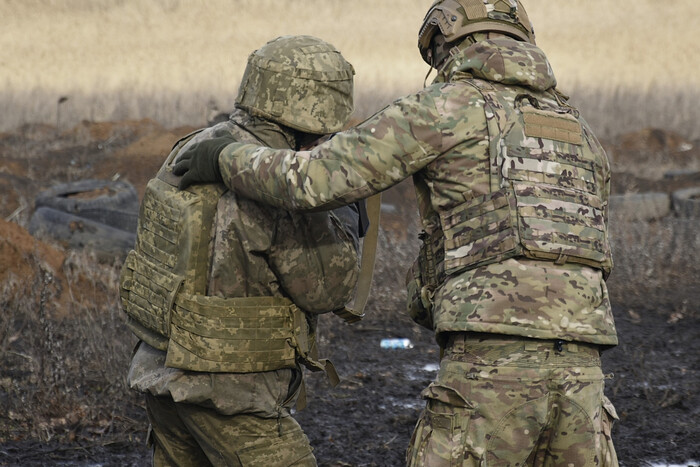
(609, 417)
(418, 441)
(289, 449)
(440, 435)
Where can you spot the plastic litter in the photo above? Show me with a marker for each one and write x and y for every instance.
(401, 343)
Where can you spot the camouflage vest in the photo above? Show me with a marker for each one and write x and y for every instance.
(546, 199)
(163, 291)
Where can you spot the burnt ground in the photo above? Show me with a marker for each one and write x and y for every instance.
(89, 418)
(367, 420)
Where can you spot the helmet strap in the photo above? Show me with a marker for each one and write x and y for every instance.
(425, 80)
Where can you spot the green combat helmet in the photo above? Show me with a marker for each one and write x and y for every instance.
(301, 82)
(456, 19)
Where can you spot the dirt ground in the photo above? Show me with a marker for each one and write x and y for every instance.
(365, 421)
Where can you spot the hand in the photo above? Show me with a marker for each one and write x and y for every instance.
(199, 163)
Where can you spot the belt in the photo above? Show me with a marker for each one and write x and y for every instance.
(459, 342)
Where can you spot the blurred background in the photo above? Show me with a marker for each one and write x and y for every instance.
(628, 64)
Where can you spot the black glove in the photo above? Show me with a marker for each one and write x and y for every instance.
(199, 163)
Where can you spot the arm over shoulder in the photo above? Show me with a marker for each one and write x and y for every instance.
(388, 147)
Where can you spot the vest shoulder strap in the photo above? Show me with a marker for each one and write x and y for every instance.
(354, 313)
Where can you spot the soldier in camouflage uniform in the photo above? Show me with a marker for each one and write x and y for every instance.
(513, 189)
(223, 292)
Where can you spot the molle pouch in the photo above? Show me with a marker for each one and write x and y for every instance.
(147, 293)
(481, 230)
(423, 278)
(418, 303)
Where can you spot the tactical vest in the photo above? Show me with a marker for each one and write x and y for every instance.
(546, 199)
(163, 289)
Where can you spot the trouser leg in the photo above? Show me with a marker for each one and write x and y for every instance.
(205, 437)
(173, 445)
(509, 401)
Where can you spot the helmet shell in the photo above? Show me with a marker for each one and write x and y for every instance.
(456, 19)
(301, 82)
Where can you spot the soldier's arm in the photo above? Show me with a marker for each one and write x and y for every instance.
(387, 148)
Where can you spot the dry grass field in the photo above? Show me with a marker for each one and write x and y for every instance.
(628, 63)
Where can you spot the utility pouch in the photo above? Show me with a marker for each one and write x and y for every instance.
(147, 293)
(418, 304)
(479, 231)
(422, 278)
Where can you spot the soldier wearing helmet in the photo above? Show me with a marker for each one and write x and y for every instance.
(224, 292)
(512, 188)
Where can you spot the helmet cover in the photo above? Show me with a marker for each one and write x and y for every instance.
(301, 82)
(456, 19)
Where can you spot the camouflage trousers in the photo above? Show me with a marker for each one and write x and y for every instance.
(191, 435)
(509, 401)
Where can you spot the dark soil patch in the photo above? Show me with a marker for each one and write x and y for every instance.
(367, 420)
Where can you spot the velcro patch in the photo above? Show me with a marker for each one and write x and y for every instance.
(553, 126)
(474, 9)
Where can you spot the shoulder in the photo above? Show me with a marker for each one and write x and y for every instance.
(435, 103)
(456, 98)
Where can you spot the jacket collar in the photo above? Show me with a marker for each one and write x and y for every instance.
(506, 61)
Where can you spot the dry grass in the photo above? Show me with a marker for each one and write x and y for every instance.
(656, 266)
(63, 378)
(629, 64)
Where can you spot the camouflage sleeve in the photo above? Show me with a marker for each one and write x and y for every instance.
(314, 255)
(385, 149)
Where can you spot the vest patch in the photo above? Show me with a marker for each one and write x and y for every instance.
(552, 126)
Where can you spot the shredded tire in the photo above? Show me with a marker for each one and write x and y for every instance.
(113, 203)
(78, 232)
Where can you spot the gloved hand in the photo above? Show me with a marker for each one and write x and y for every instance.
(199, 163)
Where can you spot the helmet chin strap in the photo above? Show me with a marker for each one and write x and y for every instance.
(425, 80)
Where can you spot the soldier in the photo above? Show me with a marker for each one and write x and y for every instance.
(513, 189)
(223, 292)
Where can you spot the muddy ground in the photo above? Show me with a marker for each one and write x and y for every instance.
(73, 408)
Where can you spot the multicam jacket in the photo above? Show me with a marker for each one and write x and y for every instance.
(475, 187)
(260, 251)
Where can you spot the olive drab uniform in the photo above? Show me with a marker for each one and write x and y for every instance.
(166, 294)
(224, 292)
(215, 289)
(512, 188)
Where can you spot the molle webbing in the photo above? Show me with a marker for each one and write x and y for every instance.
(236, 334)
(148, 294)
(213, 334)
(546, 193)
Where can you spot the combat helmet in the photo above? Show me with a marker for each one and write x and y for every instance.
(456, 19)
(299, 81)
